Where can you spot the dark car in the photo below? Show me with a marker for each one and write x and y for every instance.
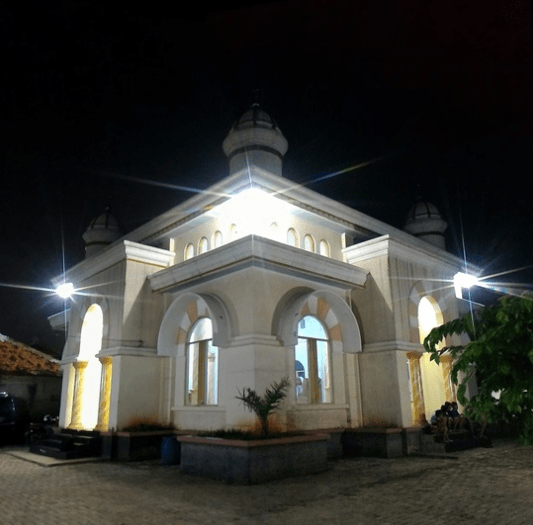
(14, 418)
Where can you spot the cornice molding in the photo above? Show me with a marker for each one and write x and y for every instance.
(118, 252)
(254, 251)
(285, 189)
(407, 249)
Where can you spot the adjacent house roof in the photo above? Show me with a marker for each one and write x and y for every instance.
(19, 359)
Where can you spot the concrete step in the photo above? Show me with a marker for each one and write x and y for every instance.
(52, 452)
(69, 445)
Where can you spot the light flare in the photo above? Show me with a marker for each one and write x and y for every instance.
(65, 290)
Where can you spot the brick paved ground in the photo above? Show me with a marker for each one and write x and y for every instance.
(483, 486)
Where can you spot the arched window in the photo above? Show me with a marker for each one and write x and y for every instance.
(323, 248)
(309, 243)
(233, 232)
(217, 239)
(274, 231)
(312, 363)
(292, 237)
(189, 251)
(202, 245)
(202, 365)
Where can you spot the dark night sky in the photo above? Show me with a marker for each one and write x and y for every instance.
(91, 96)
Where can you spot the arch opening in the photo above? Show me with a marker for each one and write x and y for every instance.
(90, 346)
(436, 382)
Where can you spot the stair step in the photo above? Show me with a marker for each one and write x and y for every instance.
(59, 444)
(51, 452)
(69, 445)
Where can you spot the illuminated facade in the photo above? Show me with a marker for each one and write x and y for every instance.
(251, 281)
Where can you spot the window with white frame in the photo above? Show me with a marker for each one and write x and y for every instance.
(189, 251)
(202, 245)
(217, 239)
(312, 363)
(202, 365)
(309, 243)
(292, 237)
(323, 248)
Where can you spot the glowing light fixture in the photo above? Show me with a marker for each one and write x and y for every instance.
(253, 211)
(463, 280)
(65, 290)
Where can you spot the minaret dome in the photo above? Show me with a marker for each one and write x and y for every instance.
(255, 139)
(102, 231)
(425, 222)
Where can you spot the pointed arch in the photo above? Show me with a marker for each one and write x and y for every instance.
(103, 305)
(184, 311)
(430, 383)
(334, 313)
(436, 296)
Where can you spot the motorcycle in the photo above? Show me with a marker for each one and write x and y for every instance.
(38, 432)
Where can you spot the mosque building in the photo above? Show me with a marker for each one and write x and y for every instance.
(253, 280)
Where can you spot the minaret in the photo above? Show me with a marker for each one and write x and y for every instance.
(102, 231)
(255, 140)
(425, 222)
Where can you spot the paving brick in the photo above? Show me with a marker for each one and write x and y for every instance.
(483, 486)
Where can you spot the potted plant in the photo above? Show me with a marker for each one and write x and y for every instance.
(251, 459)
(265, 405)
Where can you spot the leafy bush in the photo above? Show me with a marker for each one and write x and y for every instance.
(500, 354)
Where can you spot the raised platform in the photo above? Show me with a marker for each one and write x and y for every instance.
(69, 444)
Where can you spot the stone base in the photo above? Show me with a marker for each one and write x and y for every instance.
(375, 442)
(251, 462)
(334, 440)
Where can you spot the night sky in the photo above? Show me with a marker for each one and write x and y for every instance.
(96, 99)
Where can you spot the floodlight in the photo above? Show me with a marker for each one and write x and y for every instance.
(463, 280)
(65, 290)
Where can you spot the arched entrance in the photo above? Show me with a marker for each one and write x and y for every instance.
(88, 371)
(430, 382)
(429, 317)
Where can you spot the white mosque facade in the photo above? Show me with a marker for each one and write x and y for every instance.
(253, 280)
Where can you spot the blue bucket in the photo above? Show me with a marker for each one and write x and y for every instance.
(170, 451)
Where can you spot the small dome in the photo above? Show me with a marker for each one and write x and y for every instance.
(105, 221)
(255, 117)
(423, 210)
(101, 232)
(425, 222)
(255, 140)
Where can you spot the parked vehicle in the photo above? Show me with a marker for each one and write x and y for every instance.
(38, 432)
(14, 418)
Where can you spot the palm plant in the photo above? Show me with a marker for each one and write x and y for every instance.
(264, 405)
